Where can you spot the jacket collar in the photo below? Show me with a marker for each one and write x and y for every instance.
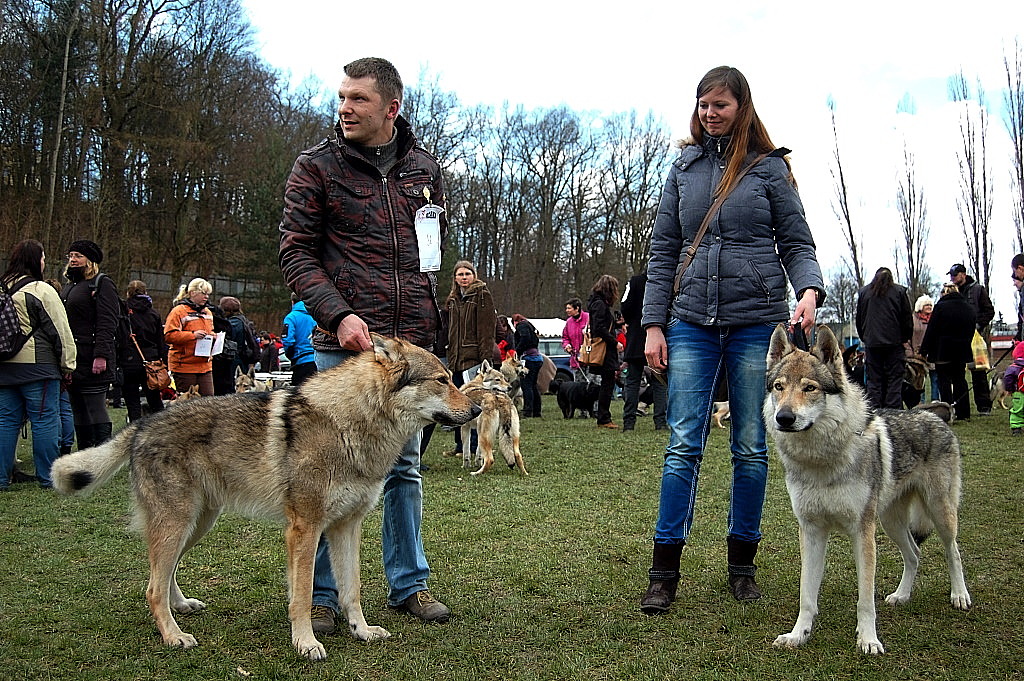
(403, 129)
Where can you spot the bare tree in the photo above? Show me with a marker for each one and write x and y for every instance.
(1013, 102)
(913, 212)
(59, 125)
(631, 176)
(841, 305)
(975, 201)
(841, 204)
(434, 115)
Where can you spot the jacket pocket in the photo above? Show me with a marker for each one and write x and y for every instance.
(349, 204)
(761, 284)
(412, 188)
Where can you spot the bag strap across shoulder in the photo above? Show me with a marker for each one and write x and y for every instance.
(138, 348)
(26, 280)
(691, 252)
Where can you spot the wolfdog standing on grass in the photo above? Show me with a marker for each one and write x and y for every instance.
(497, 424)
(315, 457)
(848, 468)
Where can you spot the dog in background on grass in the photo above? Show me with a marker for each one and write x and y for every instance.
(314, 457)
(577, 395)
(191, 394)
(848, 468)
(998, 391)
(513, 369)
(248, 383)
(721, 413)
(498, 421)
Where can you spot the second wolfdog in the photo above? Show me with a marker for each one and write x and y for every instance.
(315, 457)
(848, 468)
(498, 420)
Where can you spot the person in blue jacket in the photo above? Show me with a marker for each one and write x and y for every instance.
(720, 313)
(298, 329)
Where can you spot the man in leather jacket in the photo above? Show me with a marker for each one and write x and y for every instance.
(349, 249)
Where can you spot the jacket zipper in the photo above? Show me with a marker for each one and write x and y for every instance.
(394, 250)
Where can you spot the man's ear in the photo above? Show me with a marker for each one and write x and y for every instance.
(393, 108)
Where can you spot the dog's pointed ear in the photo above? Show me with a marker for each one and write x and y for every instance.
(485, 366)
(385, 349)
(779, 346)
(827, 348)
(238, 372)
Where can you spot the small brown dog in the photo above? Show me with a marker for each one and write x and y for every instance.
(721, 413)
(190, 394)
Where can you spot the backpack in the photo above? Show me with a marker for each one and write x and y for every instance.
(12, 338)
(124, 349)
(249, 350)
(230, 349)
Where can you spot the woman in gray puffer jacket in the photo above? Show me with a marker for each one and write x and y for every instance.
(719, 317)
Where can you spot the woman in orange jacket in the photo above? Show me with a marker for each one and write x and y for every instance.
(189, 322)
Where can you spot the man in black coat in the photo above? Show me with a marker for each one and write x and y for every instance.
(636, 361)
(976, 296)
(947, 344)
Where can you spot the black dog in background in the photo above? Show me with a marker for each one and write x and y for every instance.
(573, 395)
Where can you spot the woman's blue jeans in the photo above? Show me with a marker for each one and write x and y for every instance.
(697, 356)
(405, 563)
(40, 402)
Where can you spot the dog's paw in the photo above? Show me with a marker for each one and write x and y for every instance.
(960, 601)
(871, 646)
(897, 598)
(188, 605)
(793, 639)
(368, 633)
(310, 648)
(181, 640)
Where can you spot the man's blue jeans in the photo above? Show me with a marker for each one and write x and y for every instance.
(697, 356)
(40, 402)
(405, 563)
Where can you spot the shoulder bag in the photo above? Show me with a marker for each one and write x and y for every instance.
(592, 350)
(157, 376)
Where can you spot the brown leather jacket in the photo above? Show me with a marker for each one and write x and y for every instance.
(348, 239)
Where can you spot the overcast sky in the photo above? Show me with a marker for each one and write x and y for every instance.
(649, 56)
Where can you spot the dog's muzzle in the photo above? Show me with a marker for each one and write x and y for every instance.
(785, 420)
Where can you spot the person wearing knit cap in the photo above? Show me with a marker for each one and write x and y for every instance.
(90, 249)
(93, 306)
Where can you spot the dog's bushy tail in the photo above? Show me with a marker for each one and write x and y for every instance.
(84, 471)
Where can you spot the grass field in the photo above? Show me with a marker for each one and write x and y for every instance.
(543, 575)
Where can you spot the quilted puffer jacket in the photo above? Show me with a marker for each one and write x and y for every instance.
(758, 238)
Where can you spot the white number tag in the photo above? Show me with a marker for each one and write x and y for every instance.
(428, 236)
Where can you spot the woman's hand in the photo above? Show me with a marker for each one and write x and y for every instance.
(99, 365)
(655, 349)
(199, 333)
(805, 309)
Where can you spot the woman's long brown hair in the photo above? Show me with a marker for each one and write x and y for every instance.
(748, 133)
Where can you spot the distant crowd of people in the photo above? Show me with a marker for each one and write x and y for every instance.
(81, 346)
(932, 342)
